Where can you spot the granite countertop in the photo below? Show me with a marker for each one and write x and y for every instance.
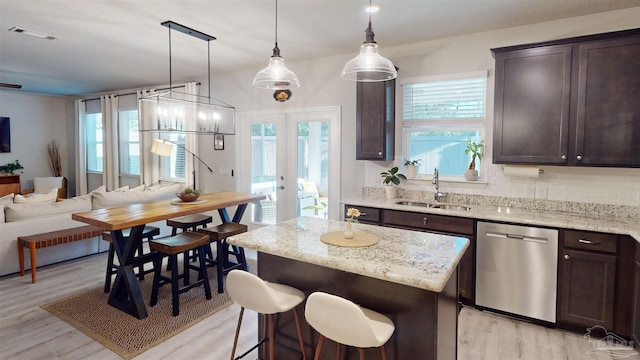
(411, 258)
(606, 224)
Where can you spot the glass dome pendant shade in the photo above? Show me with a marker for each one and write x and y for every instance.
(276, 76)
(369, 66)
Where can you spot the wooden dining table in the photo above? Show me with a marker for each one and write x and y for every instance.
(125, 294)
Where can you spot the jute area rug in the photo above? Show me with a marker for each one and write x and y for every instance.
(128, 336)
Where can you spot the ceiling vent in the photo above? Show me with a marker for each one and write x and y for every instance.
(33, 33)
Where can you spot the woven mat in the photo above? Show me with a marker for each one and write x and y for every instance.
(360, 239)
(128, 336)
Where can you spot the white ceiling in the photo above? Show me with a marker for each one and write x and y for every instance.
(108, 45)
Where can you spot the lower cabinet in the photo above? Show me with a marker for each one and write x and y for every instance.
(587, 278)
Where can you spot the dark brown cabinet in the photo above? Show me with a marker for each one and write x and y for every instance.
(368, 215)
(448, 225)
(569, 102)
(587, 275)
(375, 120)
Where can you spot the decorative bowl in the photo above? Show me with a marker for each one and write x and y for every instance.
(188, 197)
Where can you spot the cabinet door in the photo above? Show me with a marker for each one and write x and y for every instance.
(375, 120)
(608, 112)
(532, 99)
(368, 215)
(586, 289)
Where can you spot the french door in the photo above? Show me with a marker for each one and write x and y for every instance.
(293, 158)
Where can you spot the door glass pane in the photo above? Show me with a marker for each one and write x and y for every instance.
(313, 168)
(263, 172)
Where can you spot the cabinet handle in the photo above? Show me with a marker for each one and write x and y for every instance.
(424, 221)
(563, 157)
(363, 214)
(380, 153)
(566, 257)
(588, 242)
(579, 157)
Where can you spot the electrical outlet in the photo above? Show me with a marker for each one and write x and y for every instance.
(541, 192)
(531, 191)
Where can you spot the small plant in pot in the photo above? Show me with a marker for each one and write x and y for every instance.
(476, 149)
(392, 178)
(412, 167)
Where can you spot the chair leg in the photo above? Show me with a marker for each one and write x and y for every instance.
(272, 336)
(383, 352)
(157, 267)
(185, 267)
(319, 348)
(203, 272)
(175, 295)
(265, 323)
(361, 352)
(235, 340)
(220, 265)
(338, 348)
(107, 280)
(297, 317)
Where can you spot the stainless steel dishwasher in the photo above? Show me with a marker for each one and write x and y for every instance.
(517, 270)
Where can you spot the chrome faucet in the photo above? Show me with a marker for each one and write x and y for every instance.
(437, 195)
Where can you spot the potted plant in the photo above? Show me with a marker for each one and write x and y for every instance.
(476, 149)
(10, 168)
(412, 167)
(391, 178)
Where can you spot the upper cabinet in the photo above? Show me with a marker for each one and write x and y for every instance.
(569, 102)
(375, 120)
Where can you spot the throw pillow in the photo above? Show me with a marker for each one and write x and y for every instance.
(43, 185)
(7, 199)
(34, 198)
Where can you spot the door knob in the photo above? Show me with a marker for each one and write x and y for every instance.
(281, 187)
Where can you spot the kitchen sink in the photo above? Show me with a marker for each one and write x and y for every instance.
(450, 207)
(413, 203)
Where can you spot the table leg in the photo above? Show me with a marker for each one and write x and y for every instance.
(237, 216)
(126, 294)
(21, 258)
(32, 255)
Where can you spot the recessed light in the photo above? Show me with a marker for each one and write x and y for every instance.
(33, 33)
(372, 9)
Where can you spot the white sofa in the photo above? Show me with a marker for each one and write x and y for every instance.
(21, 219)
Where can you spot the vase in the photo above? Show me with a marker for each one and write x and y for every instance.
(471, 175)
(390, 191)
(348, 233)
(412, 171)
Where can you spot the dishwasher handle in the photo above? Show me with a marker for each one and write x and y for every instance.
(517, 237)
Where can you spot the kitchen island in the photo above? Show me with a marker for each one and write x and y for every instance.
(409, 276)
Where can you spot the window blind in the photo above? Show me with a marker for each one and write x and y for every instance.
(129, 142)
(445, 99)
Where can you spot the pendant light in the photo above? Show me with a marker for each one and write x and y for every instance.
(369, 66)
(276, 76)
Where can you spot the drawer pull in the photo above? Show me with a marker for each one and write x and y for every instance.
(566, 257)
(363, 214)
(588, 242)
(424, 221)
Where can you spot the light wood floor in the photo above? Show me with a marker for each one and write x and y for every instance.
(29, 332)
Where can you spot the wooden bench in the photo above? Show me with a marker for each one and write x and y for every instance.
(53, 238)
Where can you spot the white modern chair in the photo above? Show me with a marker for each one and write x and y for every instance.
(268, 299)
(346, 323)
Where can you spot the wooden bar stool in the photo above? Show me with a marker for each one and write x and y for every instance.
(172, 246)
(147, 233)
(188, 222)
(219, 234)
(265, 298)
(346, 323)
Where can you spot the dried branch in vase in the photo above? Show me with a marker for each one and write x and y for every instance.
(54, 158)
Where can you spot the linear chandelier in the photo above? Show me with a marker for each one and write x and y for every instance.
(212, 116)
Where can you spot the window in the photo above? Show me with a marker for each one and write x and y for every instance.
(95, 141)
(172, 168)
(129, 142)
(438, 115)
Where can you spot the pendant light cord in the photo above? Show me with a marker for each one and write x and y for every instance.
(276, 49)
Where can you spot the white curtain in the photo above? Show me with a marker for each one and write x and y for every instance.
(81, 148)
(191, 140)
(149, 163)
(111, 166)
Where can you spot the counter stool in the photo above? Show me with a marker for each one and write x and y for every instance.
(172, 246)
(147, 233)
(265, 298)
(219, 235)
(346, 323)
(188, 222)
